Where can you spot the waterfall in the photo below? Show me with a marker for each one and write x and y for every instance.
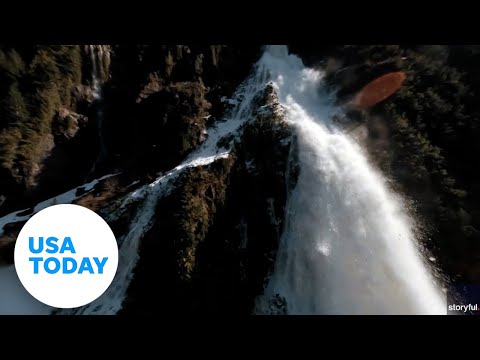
(97, 54)
(348, 244)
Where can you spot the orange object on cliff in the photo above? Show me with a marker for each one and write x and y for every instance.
(379, 89)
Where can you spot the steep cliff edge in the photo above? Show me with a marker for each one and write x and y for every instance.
(215, 236)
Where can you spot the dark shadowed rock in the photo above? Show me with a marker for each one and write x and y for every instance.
(215, 237)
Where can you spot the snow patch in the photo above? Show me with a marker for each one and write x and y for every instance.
(14, 299)
(65, 198)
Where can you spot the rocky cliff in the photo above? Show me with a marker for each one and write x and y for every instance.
(48, 120)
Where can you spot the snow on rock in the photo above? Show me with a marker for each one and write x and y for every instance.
(65, 198)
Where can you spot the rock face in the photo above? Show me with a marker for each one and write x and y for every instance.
(215, 236)
(160, 99)
(50, 144)
(155, 107)
(217, 231)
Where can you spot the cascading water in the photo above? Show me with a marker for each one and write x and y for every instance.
(97, 53)
(95, 56)
(348, 245)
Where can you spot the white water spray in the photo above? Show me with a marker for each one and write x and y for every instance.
(348, 245)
